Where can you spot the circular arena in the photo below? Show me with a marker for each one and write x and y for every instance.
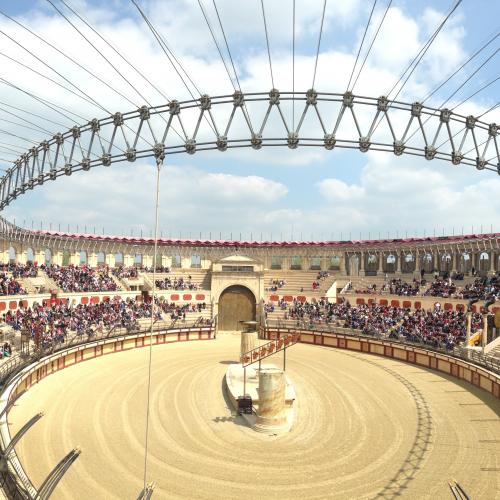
(136, 366)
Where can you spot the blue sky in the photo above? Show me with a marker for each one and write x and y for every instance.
(306, 193)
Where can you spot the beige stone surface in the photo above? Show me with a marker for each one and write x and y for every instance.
(364, 426)
(271, 414)
(248, 342)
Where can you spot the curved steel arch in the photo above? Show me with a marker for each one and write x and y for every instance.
(410, 129)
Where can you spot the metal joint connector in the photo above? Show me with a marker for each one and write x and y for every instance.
(205, 102)
(68, 170)
(456, 157)
(470, 122)
(159, 151)
(118, 119)
(144, 113)
(44, 145)
(364, 144)
(312, 97)
(59, 138)
(95, 125)
(238, 98)
(190, 146)
(416, 109)
(493, 129)
(445, 115)
(399, 148)
(382, 103)
(274, 96)
(348, 99)
(329, 141)
(131, 154)
(86, 164)
(174, 108)
(293, 140)
(430, 152)
(222, 143)
(256, 141)
(480, 163)
(76, 132)
(106, 159)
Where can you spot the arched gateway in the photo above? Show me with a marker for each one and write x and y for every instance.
(236, 303)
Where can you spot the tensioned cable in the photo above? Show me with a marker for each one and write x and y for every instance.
(69, 58)
(47, 78)
(293, 67)
(113, 66)
(114, 49)
(216, 43)
(267, 42)
(33, 114)
(7, 145)
(454, 93)
(461, 67)
(6, 132)
(416, 60)
(319, 43)
(227, 45)
(49, 104)
(491, 82)
(37, 129)
(371, 44)
(362, 42)
(167, 51)
(25, 120)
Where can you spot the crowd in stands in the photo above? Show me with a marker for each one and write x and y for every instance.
(176, 284)
(81, 278)
(20, 270)
(5, 350)
(436, 327)
(10, 285)
(52, 323)
(276, 284)
(441, 287)
(482, 288)
(126, 272)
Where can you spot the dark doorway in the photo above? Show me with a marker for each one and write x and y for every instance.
(236, 303)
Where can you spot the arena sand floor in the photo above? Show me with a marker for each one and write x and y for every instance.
(365, 427)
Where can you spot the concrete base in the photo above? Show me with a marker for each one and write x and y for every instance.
(234, 384)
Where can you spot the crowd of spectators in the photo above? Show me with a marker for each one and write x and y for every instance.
(126, 272)
(482, 288)
(81, 278)
(10, 286)
(276, 284)
(176, 284)
(20, 270)
(435, 327)
(442, 287)
(52, 323)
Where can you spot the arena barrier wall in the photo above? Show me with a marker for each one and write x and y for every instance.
(71, 356)
(443, 363)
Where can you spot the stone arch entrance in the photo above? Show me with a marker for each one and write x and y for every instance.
(236, 303)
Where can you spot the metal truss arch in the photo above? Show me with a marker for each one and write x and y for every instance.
(256, 120)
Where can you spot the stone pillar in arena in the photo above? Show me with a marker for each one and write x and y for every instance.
(248, 342)
(271, 415)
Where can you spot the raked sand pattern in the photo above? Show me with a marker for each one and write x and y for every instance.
(365, 427)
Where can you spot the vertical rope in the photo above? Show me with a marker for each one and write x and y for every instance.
(267, 42)
(159, 164)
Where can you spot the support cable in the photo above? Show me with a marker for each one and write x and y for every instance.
(485, 86)
(362, 42)
(205, 16)
(25, 120)
(30, 113)
(39, 59)
(267, 42)
(461, 67)
(371, 44)
(443, 104)
(159, 164)
(115, 68)
(227, 45)
(319, 43)
(293, 67)
(416, 60)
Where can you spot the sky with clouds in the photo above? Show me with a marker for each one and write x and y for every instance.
(273, 193)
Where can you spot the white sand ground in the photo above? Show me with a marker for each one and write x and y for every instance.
(365, 427)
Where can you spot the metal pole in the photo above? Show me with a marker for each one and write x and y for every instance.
(244, 380)
(159, 164)
(284, 359)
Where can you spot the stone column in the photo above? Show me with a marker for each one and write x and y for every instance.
(435, 261)
(39, 256)
(248, 342)
(469, 321)
(417, 263)
(271, 415)
(493, 257)
(398, 262)
(92, 260)
(484, 336)
(110, 260)
(128, 260)
(57, 258)
(21, 257)
(380, 267)
(362, 271)
(74, 258)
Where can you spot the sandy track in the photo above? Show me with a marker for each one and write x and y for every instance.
(365, 427)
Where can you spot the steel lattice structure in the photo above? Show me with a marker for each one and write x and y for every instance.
(258, 120)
